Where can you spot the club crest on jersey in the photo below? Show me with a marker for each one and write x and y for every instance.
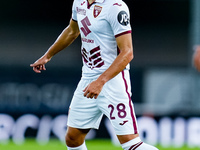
(97, 11)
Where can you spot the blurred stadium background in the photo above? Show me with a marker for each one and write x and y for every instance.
(165, 85)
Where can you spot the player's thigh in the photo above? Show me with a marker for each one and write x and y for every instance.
(122, 117)
(118, 106)
(84, 112)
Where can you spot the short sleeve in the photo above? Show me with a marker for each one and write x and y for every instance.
(119, 18)
(74, 13)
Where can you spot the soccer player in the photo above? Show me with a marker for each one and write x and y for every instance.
(196, 58)
(104, 26)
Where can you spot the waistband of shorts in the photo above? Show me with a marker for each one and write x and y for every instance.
(90, 76)
(94, 76)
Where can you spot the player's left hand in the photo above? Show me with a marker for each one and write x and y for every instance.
(93, 89)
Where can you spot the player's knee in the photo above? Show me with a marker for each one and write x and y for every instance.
(75, 137)
(70, 140)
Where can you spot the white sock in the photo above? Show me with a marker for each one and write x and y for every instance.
(145, 146)
(81, 147)
(137, 144)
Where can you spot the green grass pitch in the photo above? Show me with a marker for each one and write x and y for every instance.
(97, 144)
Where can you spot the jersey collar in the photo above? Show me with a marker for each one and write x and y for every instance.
(96, 1)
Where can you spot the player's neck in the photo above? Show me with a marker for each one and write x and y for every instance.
(91, 1)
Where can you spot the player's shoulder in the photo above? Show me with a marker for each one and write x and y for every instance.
(113, 3)
(116, 5)
(79, 1)
(118, 11)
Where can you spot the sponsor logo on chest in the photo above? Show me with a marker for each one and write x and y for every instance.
(81, 11)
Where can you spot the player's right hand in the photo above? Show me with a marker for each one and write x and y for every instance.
(39, 65)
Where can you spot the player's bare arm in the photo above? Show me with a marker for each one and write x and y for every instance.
(124, 43)
(196, 58)
(69, 34)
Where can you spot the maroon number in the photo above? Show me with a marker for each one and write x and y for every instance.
(85, 22)
(111, 112)
(121, 110)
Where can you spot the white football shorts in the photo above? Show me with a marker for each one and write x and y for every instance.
(114, 101)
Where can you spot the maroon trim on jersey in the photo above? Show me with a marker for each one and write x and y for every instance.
(89, 5)
(130, 104)
(96, 1)
(135, 146)
(126, 32)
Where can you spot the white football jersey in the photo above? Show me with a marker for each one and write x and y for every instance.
(99, 24)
